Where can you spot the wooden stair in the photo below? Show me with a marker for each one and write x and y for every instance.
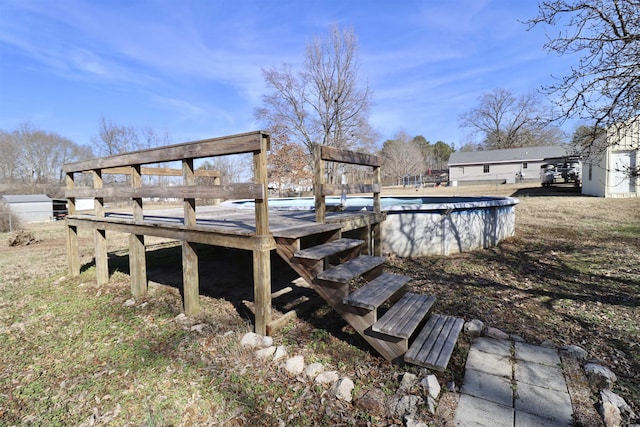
(355, 285)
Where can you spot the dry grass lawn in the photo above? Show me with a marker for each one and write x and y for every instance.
(74, 353)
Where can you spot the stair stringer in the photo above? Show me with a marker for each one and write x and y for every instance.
(360, 319)
(392, 348)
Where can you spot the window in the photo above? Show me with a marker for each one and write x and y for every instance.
(486, 168)
(461, 170)
(525, 165)
(590, 171)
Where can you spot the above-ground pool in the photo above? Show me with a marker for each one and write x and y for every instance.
(419, 226)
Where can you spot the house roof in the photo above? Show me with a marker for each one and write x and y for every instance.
(27, 198)
(524, 154)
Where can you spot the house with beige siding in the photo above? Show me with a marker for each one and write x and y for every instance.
(504, 166)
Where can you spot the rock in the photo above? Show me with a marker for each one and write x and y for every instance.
(610, 414)
(412, 420)
(266, 341)
(547, 344)
(408, 381)
(294, 365)
(313, 370)
(129, 303)
(516, 338)
(495, 333)
(250, 340)
(574, 350)
(473, 328)
(372, 401)
(600, 377)
(281, 351)
(343, 389)
(431, 386)
(611, 397)
(399, 406)
(327, 377)
(265, 353)
(451, 386)
(431, 404)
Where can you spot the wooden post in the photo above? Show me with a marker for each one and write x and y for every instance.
(375, 230)
(73, 255)
(216, 181)
(376, 196)
(318, 183)
(137, 255)
(100, 236)
(190, 279)
(262, 257)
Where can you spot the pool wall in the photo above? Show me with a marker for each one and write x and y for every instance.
(446, 229)
(421, 226)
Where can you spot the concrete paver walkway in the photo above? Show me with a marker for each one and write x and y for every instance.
(511, 384)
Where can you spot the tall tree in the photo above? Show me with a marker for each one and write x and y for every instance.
(603, 88)
(441, 153)
(401, 157)
(508, 121)
(325, 102)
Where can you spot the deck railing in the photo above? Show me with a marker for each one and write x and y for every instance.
(133, 165)
(322, 154)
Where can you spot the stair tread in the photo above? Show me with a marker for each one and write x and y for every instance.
(435, 343)
(324, 250)
(343, 273)
(377, 291)
(405, 316)
(306, 230)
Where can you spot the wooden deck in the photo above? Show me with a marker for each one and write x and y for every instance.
(331, 250)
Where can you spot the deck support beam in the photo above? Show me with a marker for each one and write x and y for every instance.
(190, 272)
(73, 254)
(137, 255)
(261, 257)
(100, 236)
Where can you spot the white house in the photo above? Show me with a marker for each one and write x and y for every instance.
(607, 173)
(30, 208)
(500, 165)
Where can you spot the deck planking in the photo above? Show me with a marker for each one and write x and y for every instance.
(223, 220)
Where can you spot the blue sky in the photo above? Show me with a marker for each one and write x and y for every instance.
(194, 67)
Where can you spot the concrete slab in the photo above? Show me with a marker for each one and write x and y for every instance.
(540, 375)
(537, 354)
(544, 402)
(489, 387)
(490, 363)
(493, 346)
(522, 419)
(473, 411)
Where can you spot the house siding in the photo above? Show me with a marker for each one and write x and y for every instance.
(504, 165)
(606, 178)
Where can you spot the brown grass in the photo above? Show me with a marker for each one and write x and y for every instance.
(76, 353)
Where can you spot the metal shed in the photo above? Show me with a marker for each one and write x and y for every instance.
(30, 208)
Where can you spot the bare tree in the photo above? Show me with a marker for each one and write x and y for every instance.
(508, 121)
(603, 88)
(401, 157)
(288, 165)
(115, 139)
(324, 102)
(35, 157)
